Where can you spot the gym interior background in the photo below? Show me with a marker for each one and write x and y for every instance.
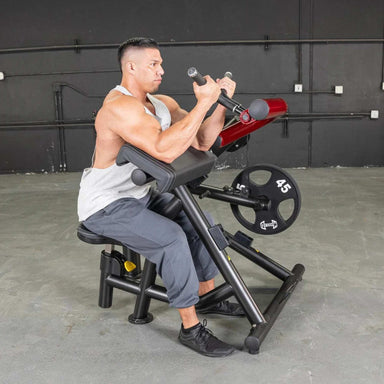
(58, 60)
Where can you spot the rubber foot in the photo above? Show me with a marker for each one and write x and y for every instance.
(136, 320)
(252, 344)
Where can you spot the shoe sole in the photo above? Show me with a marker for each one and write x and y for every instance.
(207, 354)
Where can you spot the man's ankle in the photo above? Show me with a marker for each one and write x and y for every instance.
(190, 329)
(188, 316)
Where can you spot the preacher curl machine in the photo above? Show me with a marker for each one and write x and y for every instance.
(183, 178)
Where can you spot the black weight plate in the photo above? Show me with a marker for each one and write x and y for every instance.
(274, 186)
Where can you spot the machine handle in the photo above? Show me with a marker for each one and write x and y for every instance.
(224, 100)
(229, 75)
(259, 109)
(194, 74)
(259, 113)
(198, 77)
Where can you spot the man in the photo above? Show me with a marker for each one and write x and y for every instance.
(111, 205)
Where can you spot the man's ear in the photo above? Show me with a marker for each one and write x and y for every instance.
(130, 66)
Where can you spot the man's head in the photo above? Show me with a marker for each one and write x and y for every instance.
(140, 57)
(135, 43)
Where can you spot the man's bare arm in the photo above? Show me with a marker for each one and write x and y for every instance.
(212, 126)
(127, 118)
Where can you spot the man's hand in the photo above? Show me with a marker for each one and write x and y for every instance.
(207, 93)
(227, 84)
(212, 126)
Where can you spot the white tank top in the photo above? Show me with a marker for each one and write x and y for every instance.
(100, 187)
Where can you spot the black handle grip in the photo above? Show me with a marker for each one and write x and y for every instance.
(224, 100)
(194, 74)
(229, 75)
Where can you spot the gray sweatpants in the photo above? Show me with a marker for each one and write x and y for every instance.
(173, 245)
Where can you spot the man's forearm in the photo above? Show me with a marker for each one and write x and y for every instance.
(211, 128)
(175, 140)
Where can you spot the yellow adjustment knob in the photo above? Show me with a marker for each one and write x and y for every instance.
(129, 266)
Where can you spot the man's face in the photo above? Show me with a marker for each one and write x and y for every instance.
(148, 69)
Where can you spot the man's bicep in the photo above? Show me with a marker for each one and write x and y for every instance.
(135, 126)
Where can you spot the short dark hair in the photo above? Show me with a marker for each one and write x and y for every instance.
(135, 42)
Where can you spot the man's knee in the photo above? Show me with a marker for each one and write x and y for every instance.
(174, 236)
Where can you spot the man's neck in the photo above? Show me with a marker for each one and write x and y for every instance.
(136, 91)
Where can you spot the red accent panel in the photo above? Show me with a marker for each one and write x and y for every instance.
(238, 130)
(277, 107)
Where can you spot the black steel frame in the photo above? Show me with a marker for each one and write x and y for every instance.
(142, 282)
(228, 196)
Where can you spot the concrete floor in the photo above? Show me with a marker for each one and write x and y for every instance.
(331, 330)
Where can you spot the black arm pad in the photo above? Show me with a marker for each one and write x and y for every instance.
(191, 165)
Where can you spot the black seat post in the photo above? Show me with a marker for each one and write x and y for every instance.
(106, 290)
(140, 314)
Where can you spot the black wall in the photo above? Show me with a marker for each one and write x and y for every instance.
(298, 53)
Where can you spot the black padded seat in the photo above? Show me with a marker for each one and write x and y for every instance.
(92, 238)
(170, 211)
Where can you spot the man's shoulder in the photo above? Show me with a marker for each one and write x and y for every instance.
(116, 99)
(115, 104)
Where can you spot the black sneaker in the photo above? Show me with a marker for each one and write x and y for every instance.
(223, 308)
(204, 342)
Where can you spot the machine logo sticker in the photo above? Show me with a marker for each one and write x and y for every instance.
(241, 187)
(264, 225)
